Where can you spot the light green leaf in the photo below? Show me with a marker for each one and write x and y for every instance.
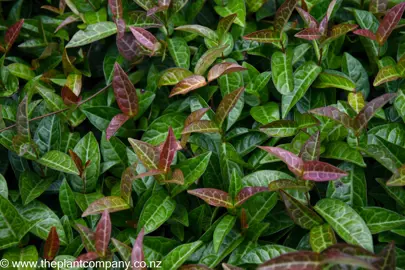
(179, 255)
(233, 6)
(27, 255)
(264, 253)
(222, 229)
(332, 78)
(322, 237)
(32, 186)
(59, 161)
(304, 76)
(208, 58)
(342, 151)
(267, 113)
(3, 187)
(180, 52)
(282, 71)
(92, 33)
(67, 200)
(380, 219)
(157, 130)
(346, 222)
(21, 71)
(156, 211)
(355, 70)
(280, 128)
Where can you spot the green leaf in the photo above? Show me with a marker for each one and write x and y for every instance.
(208, 58)
(304, 76)
(21, 71)
(264, 253)
(342, 151)
(380, 219)
(173, 76)
(32, 186)
(280, 128)
(199, 30)
(27, 255)
(322, 237)
(386, 74)
(110, 203)
(67, 200)
(346, 222)
(227, 104)
(351, 189)
(156, 211)
(233, 6)
(223, 228)
(179, 255)
(335, 79)
(59, 161)
(282, 72)
(267, 113)
(180, 52)
(355, 70)
(92, 33)
(13, 224)
(3, 187)
(399, 102)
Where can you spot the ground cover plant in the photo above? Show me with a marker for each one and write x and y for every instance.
(203, 134)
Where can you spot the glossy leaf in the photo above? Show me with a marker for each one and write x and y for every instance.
(281, 128)
(389, 22)
(103, 234)
(208, 58)
(312, 148)
(110, 204)
(222, 69)
(283, 14)
(213, 197)
(227, 104)
(188, 84)
(137, 254)
(12, 33)
(59, 161)
(168, 151)
(263, 36)
(92, 33)
(294, 163)
(125, 92)
(282, 72)
(115, 124)
(320, 171)
(246, 193)
(322, 237)
(51, 246)
(386, 74)
(309, 34)
(398, 178)
(145, 38)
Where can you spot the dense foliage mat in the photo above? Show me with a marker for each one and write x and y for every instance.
(234, 134)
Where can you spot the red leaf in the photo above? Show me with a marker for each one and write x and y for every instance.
(308, 19)
(321, 171)
(370, 109)
(334, 114)
(137, 254)
(115, 124)
(323, 26)
(51, 246)
(125, 92)
(212, 196)
(12, 34)
(389, 22)
(294, 163)
(168, 151)
(365, 33)
(68, 20)
(103, 234)
(222, 69)
(78, 162)
(309, 34)
(89, 256)
(145, 38)
(248, 192)
(69, 98)
(194, 116)
(128, 46)
(116, 8)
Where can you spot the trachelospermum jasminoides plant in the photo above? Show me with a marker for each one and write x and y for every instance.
(232, 134)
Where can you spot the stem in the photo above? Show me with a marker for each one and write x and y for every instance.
(62, 110)
(320, 57)
(282, 46)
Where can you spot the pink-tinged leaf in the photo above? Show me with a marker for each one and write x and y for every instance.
(334, 114)
(193, 117)
(123, 249)
(389, 23)
(168, 151)
(115, 124)
(339, 258)
(22, 121)
(388, 255)
(137, 254)
(301, 260)
(67, 21)
(398, 179)
(103, 234)
(156, 9)
(248, 192)
(12, 34)
(149, 173)
(52, 244)
(295, 164)
(147, 153)
(69, 98)
(145, 38)
(307, 18)
(263, 36)
(225, 24)
(126, 183)
(88, 237)
(89, 256)
(283, 14)
(226, 266)
(51, 8)
(121, 27)
(188, 84)
(331, 7)
(128, 46)
(227, 103)
(365, 33)
(286, 184)
(212, 196)
(312, 148)
(164, 3)
(323, 26)
(387, 74)
(338, 31)
(309, 34)
(202, 126)
(370, 109)
(110, 203)
(194, 267)
(177, 177)
(62, 6)
(116, 8)
(125, 92)
(321, 171)
(222, 69)
(378, 6)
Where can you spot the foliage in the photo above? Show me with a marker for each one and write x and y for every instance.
(203, 134)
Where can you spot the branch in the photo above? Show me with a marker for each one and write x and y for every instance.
(62, 110)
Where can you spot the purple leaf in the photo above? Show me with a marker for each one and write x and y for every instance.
(103, 234)
(212, 196)
(308, 19)
(115, 124)
(168, 151)
(321, 171)
(89, 256)
(125, 92)
(137, 254)
(294, 163)
(145, 38)
(128, 46)
(334, 114)
(309, 34)
(389, 23)
(365, 33)
(248, 192)
(12, 33)
(311, 148)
